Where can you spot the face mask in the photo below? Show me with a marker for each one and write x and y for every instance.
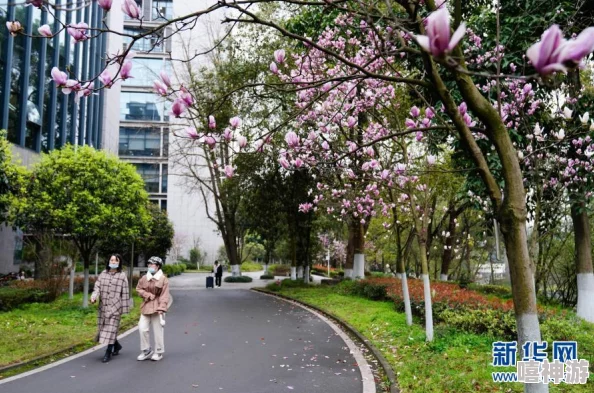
(113, 266)
(152, 270)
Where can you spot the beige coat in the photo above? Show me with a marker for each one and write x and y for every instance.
(154, 290)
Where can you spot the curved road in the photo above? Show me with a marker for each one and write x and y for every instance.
(231, 340)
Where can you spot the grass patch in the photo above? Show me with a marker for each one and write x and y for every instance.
(454, 362)
(39, 329)
(249, 266)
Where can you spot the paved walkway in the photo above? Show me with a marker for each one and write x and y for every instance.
(221, 340)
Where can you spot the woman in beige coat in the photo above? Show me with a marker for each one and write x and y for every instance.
(111, 288)
(154, 290)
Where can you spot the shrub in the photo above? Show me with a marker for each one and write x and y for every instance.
(374, 291)
(266, 277)
(496, 323)
(497, 290)
(279, 270)
(11, 298)
(274, 286)
(238, 279)
(288, 283)
(556, 329)
(249, 266)
(183, 267)
(348, 287)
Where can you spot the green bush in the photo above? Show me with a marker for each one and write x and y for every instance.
(555, 329)
(11, 298)
(238, 279)
(249, 266)
(183, 267)
(274, 286)
(497, 290)
(288, 283)
(348, 287)
(496, 323)
(266, 277)
(373, 291)
(279, 270)
(191, 266)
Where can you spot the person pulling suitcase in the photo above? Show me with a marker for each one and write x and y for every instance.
(218, 273)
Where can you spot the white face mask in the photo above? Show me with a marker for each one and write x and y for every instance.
(152, 270)
(114, 265)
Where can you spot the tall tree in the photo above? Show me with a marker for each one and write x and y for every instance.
(86, 194)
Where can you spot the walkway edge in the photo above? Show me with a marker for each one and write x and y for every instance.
(59, 362)
(376, 353)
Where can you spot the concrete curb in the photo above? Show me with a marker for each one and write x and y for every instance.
(57, 363)
(376, 353)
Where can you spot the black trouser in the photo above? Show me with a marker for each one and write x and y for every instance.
(218, 280)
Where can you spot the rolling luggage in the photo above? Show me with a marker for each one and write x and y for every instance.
(210, 282)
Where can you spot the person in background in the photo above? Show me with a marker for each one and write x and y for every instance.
(111, 288)
(154, 290)
(218, 272)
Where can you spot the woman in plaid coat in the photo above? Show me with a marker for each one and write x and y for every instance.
(114, 300)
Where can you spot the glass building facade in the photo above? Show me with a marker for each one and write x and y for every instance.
(36, 115)
(144, 116)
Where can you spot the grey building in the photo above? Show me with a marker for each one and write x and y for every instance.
(37, 116)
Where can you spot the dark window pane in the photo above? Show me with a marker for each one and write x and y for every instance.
(139, 141)
(162, 10)
(150, 175)
(164, 179)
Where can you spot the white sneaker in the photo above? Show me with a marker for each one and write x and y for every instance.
(157, 356)
(144, 355)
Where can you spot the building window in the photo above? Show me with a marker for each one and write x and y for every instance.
(152, 43)
(146, 71)
(165, 152)
(164, 204)
(143, 107)
(164, 179)
(150, 175)
(162, 10)
(139, 142)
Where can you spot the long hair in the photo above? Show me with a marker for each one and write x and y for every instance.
(119, 258)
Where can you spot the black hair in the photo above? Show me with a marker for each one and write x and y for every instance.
(216, 261)
(119, 258)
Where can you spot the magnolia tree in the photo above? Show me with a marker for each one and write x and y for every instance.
(417, 49)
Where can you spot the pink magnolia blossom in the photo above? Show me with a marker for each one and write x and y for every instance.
(229, 171)
(165, 78)
(45, 31)
(415, 112)
(351, 122)
(78, 31)
(212, 123)
(298, 163)
(228, 135)
(160, 88)
(305, 207)
(292, 139)
(279, 56)
(210, 141)
(187, 98)
(545, 54)
(192, 133)
(85, 91)
(429, 114)
(273, 68)
(105, 4)
(438, 41)
(242, 141)
(431, 160)
(574, 51)
(130, 8)
(284, 163)
(14, 27)
(125, 71)
(59, 77)
(35, 3)
(178, 108)
(325, 145)
(70, 86)
(235, 122)
(106, 78)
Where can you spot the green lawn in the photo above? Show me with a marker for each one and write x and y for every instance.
(454, 362)
(41, 329)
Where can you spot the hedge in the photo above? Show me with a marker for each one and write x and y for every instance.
(238, 279)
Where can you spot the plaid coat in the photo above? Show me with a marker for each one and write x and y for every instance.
(114, 300)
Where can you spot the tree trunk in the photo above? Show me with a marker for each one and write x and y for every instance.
(358, 250)
(405, 294)
(427, 291)
(446, 256)
(350, 254)
(583, 256)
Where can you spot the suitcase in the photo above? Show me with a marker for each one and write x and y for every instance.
(210, 282)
